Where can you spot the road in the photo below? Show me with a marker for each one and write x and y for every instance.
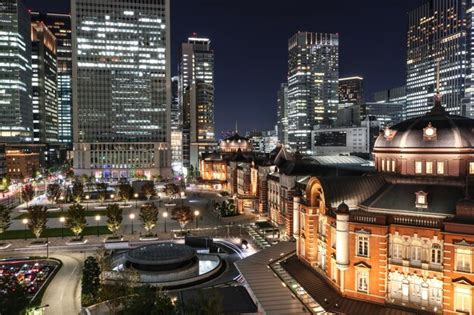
(63, 295)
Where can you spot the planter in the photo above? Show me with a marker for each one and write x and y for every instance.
(38, 244)
(148, 238)
(5, 245)
(76, 242)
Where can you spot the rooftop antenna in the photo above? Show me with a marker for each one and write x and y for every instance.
(236, 127)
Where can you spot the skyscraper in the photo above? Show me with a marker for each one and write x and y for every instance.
(196, 72)
(437, 35)
(16, 112)
(176, 127)
(282, 114)
(60, 26)
(121, 87)
(313, 75)
(45, 101)
(351, 91)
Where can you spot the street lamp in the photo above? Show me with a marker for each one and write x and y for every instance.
(165, 215)
(87, 201)
(112, 196)
(61, 199)
(196, 215)
(25, 222)
(132, 217)
(62, 220)
(97, 219)
(136, 199)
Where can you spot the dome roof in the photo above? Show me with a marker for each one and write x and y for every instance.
(436, 129)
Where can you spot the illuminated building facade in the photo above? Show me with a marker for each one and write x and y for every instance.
(22, 164)
(351, 91)
(60, 26)
(313, 74)
(196, 72)
(45, 101)
(282, 114)
(176, 127)
(16, 112)
(121, 88)
(403, 237)
(437, 34)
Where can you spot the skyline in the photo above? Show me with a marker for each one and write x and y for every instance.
(250, 84)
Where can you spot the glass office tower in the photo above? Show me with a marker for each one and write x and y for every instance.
(16, 112)
(313, 76)
(121, 88)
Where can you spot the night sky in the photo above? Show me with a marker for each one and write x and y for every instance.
(250, 40)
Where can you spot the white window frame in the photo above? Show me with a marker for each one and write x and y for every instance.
(397, 252)
(463, 299)
(471, 168)
(436, 254)
(440, 168)
(363, 244)
(429, 167)
(463, 259)
(362, 280)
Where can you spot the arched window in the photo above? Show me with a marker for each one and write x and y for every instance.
(436, 254)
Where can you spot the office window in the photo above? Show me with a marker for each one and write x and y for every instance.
(418, 167)
(440, 168)
(363, 245)
(362, 280)
(429, 167)
(463, 259)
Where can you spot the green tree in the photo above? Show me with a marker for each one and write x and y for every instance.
(27, 193)
(76, 219)
(172, 190)
(146, 300)
(183, 215)
(125, 192)
(77, 191)
(149, 216)
(114, 218)
(102, 189)
(90, 283)
(227, 208)
(13, 296)
(37, 218)
(148, 189)
(5, 219)
(53, 192)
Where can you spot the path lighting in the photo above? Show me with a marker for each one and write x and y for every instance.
(97, 220)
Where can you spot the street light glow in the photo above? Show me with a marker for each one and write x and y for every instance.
(196, 213)
(97, 217)
(132, 216)
(62, 219)
(25, 221)
(165, 214)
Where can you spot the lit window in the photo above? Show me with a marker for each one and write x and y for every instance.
(440, 168)
(471, 168)
(436, 254)
(463, 259)
(416, 252)
(393, 165)
(463, 300)
(418, 167)
(397, 252)
(333, 237)
(421, 199)
(363, 245)
(429, 167)
(383, 165)
(362, 280)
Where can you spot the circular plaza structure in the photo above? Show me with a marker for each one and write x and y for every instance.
(166, 265)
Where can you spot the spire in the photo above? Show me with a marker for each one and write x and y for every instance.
(438, 107)
(236, 127)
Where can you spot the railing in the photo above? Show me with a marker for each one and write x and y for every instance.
(417, 221)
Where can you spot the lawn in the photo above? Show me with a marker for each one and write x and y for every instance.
(58, 214)
(56, 232)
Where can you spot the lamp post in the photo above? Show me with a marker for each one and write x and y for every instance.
(97, 219)
(165, 215)
(136, 200)
(61, 199)
(25, 222)
(132, 217)
(87, 201)
(196, 215)
(62, 220)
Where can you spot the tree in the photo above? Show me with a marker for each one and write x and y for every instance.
(53, 192)
(183, 215)
(172, 190)
(148, 189)
(13, 296)
(146, 300)
(114, 218)
(149, 216)
(76, 219)
(37, 218)
(27, 193)
(5, 219)
(90, 281)
(102, 189)
(125, 192)
(227, 208)
(77, 190)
